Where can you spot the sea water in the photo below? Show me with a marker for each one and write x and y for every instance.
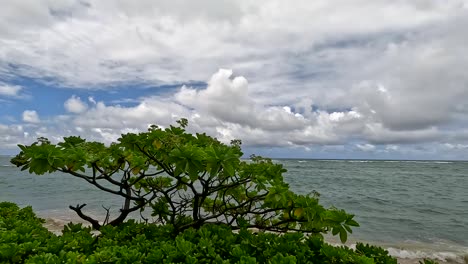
(414, 209)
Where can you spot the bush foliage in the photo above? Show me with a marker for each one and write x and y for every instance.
(23, 239)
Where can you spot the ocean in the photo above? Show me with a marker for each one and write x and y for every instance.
(414, 209)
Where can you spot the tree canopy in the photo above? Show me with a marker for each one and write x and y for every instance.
(187, 180)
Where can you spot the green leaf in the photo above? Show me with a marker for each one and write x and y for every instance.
(351, 222)
(228, 168)
(343, 235)
(335, 231)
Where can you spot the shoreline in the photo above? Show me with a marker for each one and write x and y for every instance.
(410, 252)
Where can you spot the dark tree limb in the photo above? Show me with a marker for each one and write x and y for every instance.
(94, 223)
(106, 220)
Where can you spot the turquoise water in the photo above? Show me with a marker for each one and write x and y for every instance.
(413, 208)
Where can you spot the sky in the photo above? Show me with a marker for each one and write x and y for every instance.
(324, 79)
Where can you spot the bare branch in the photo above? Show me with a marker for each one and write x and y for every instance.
(94, 223)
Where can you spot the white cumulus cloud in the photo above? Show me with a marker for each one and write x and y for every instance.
(31, 116)
(75, 105)
(225, 109)
(9, 90)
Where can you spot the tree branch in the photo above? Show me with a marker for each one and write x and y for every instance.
(94, 223)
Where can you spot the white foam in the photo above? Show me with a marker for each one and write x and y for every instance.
(427, 161)
(457, 256)
(419, 254)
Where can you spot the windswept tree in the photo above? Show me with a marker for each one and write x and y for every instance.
(187, 181)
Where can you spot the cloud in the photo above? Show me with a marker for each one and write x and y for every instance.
(365, 147)
(418, 82)
(224, 108)
(456, 146)
(227, 110)
(75, 105)
(375, 72)
(107, 122)
(10, 90)
(229, 101)
(224, 98)
(31, 116)
(175, 41)
(11, 135)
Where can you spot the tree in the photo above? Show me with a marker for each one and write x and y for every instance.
(187, 180)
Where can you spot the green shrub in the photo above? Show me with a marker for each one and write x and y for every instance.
(23, 239)
(21, 233)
